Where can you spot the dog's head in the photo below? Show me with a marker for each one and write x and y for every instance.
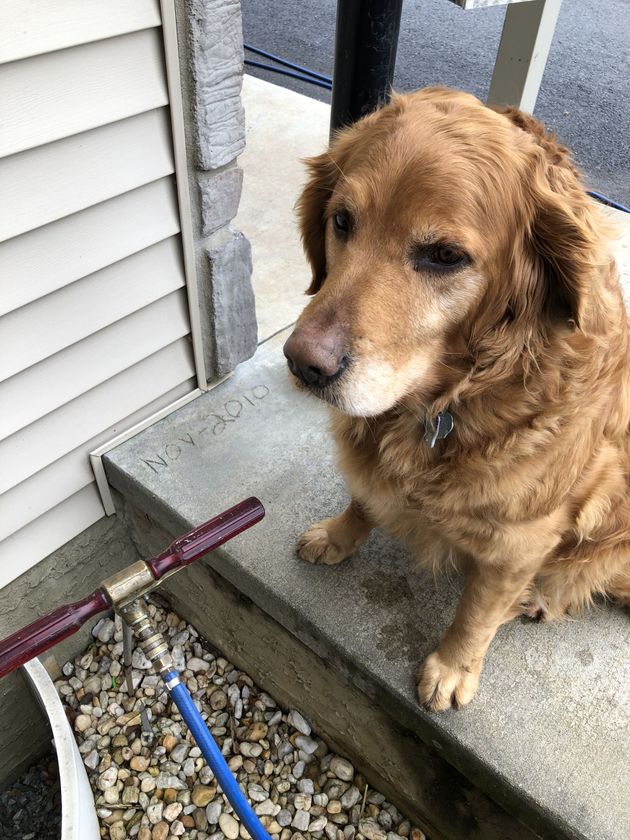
(430, 225)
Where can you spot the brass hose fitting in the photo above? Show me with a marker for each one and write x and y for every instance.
(129, 584)
(150, 640)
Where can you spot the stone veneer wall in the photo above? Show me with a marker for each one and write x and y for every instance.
(211, 66)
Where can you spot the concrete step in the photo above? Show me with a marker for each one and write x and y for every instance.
(543, 750)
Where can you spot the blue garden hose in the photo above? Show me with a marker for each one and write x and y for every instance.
(212, 754)
(305, 71)
(609, 202)
(289, 73)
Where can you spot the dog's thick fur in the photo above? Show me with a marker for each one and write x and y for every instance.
(526, 343)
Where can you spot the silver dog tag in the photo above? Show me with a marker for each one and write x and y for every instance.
(439, 428)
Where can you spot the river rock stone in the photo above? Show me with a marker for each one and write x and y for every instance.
(350, 798)
(154, 812)
(167, 780)
(117, 830)
(213, 811)
(195, 664)
(229, 826)
(82, 722)
(318, 824)
(307, 745)
(342, 768)
(202, 795)
(165, 790)
(104, 630)
(371, 830)
(179, 753)
(284, 817)
(266, 808)
(160, 831)
(295, 719)
(172, 811)
(256, 731)
(250, 750)
(301, 821)
(139, 763)
(218, 699)
(108, 778)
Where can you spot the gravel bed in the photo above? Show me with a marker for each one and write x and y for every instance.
(164, 790)
(30, 809)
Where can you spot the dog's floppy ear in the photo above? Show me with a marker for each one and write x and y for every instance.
(561, 238)
(311, 208)
(565, 251)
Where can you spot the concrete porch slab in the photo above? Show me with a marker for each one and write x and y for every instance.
(547, 736)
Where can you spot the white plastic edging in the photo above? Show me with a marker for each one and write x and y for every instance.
(78, 812)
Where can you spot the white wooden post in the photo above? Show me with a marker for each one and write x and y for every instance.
(522, 56)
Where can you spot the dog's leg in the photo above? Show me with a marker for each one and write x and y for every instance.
(450, 675)
(332, 540)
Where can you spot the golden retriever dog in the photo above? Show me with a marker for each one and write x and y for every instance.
(468, 331)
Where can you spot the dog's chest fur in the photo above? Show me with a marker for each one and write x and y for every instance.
(404, 485)
(441, 499)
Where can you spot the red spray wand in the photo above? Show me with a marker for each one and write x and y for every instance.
(127, 585)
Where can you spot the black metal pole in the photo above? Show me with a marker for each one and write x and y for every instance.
(365, 56)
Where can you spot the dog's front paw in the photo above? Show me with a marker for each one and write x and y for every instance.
(441, 685)
(316, 545)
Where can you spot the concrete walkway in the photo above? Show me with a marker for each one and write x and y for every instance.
(547, 736)
(282, 128)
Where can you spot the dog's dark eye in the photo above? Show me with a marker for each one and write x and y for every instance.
(437, 258)
(446, 255)
(341, 223)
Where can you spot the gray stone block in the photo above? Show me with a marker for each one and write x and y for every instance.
(219, 193)
(228, 308)
(216, 65)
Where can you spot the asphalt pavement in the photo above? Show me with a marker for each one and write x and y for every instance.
(585, 92)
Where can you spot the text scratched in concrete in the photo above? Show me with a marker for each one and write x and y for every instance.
(217, 424)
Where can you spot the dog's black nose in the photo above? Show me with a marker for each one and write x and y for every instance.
(316, 359)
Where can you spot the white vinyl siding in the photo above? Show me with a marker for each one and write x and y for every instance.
(44, 184)
(70, 91)
(41, 262)
(81, 421)
(101, 299)
(110, 350)
(32, 27)
(94, 315)
(27, 545)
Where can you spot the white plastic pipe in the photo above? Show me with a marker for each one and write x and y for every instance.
(78, 812)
